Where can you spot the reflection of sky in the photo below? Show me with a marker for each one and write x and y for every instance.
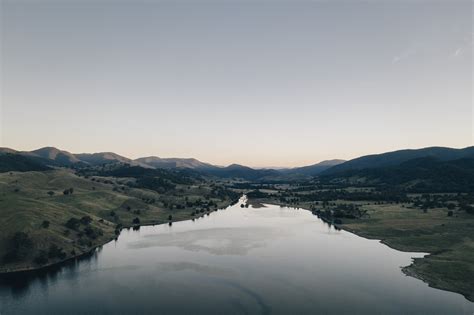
(266, 260)
(297, 81)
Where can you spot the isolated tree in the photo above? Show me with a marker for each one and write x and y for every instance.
(170, 217)
(19, 246)
(86, 220)
(45, 224)
(42, 258)
(56, 252)
(73, 223)
(50, 193)
(136, 221)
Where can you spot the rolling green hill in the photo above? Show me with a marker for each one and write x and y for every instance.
(49, 216)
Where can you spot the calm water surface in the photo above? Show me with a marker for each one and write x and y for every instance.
(236, 261)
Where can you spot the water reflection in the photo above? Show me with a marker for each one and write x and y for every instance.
(19, 284)
(271, 260)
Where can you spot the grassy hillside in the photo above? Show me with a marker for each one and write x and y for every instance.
(42, 222)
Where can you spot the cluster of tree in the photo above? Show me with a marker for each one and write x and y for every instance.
(338, 212)
(257, 194)
(74, 223)
(349, 211)
(385, 195)
(19, 163)
(68, 191)
(224, 193)
(450, 201)
(19, 246)
(428, 201)
(53, 253)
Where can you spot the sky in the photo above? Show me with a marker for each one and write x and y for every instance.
(255, 82)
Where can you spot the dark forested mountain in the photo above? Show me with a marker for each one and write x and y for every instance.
(428, 166)
(312, 170)
(240, 171)
(19, 163)
(426, 174)
(397, 157)
(50, 156)
(7, 150)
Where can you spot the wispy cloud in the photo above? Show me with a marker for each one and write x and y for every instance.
(404, 55)
(458, 52)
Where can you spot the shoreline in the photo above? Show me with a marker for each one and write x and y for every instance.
(406, 270)
(58, 264)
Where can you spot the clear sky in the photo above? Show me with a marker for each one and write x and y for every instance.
(261, 83)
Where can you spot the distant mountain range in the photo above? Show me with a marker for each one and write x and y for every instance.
(398, 157)
(50, 156)
(385, 164)
(157, 162)
(314, 169)
(434, 169)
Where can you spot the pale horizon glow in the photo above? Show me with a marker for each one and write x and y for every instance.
(257, 82)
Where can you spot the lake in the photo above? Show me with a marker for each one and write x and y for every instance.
(272, 260)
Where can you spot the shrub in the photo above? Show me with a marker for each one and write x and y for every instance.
(450, 213)
(50, 193)
(136, 221)
(19, 246)
(86, 220)
(451, 206)
(45, 224)
(42, 258)
(56, 252)
(170, 217)
(73, 224)
(92, 233)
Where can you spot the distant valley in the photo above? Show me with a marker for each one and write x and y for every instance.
(57, 205)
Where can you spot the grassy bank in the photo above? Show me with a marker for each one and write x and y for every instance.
(448, 239)
(44, 222)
